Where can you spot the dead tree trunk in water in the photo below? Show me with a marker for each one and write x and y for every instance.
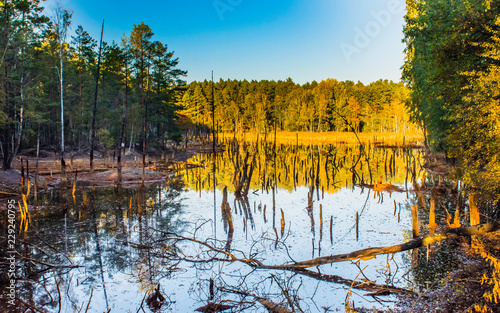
(364, 254)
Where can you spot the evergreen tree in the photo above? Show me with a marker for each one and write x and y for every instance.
(84, 55)
(21, 22)
(141, 49)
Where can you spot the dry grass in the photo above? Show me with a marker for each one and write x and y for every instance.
(283, 137)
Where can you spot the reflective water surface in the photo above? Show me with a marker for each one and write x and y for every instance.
(195, 236)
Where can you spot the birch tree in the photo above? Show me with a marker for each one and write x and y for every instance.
(61, 25)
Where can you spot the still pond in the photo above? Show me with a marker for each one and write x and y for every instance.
(198, 237)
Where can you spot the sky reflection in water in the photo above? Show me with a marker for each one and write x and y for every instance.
(125, 251)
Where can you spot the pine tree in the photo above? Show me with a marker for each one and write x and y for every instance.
(20, 22)
(141, 49)
(85, 57)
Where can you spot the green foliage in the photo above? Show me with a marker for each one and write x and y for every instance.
(139, 87)
(105, 139)
(476, 138)
(22, 24)
(453, 71)
(315, 107)
(158, 84)
(438, 36)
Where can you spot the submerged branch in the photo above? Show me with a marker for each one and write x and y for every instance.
(270, 306)
(366, 285)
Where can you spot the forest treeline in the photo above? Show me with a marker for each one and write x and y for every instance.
(48, 81)
(49, 77)
(453, 70)
(329, 105)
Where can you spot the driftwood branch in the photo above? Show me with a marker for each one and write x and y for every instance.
(256, 264)
(364, 254)
(370, 253)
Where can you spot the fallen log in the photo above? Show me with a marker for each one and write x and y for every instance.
(363, 254)
(29, 306)
(361, 285)
(214, 307)
(381, 187)
(370, 253)
(9, 194)
(53, 265)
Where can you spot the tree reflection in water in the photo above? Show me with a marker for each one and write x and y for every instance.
(132, 240)
(111, 241)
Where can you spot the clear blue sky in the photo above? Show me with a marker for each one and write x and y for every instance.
(305, 40)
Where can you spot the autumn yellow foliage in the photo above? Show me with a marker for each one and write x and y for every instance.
(487, 248)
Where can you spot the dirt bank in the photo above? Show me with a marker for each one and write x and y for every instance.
(78, 165)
